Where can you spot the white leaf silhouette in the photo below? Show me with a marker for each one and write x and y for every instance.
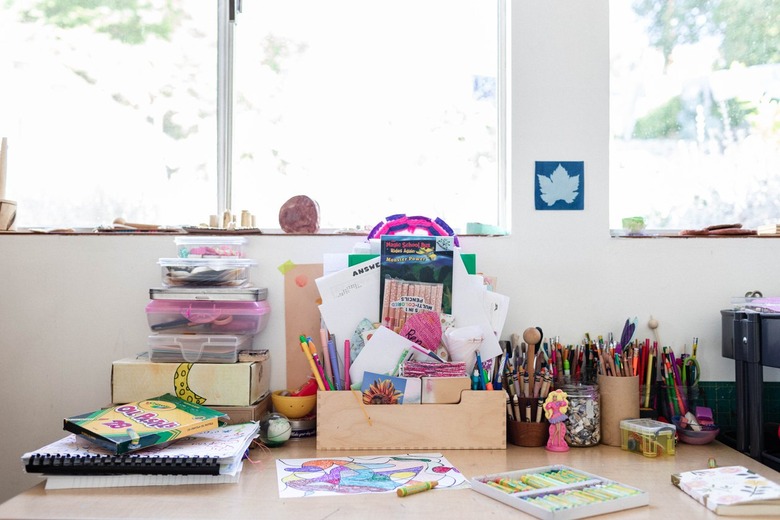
(559, 186)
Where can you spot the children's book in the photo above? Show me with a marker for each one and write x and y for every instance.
(731, 491)
(214, 452)
(416, 275)
(133, 426)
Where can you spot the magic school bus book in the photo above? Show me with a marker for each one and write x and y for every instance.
(133, 426)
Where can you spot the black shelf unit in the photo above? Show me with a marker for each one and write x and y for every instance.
(752, 340)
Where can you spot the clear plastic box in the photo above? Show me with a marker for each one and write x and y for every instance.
(217, 317)
(211, 294)
(205, 272)
(197, 348)
(210, 247)
(647, 436)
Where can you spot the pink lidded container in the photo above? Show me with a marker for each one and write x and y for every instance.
(208, 311)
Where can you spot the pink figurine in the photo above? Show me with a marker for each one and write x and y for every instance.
(555, 407)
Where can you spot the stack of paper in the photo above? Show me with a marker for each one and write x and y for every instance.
(211, 457)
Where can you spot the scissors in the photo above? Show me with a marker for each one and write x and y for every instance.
(195, 317)
(691, 368)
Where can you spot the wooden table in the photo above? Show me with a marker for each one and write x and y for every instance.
(257, 495)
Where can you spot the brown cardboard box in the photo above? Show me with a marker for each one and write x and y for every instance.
(242, 414)
(220, 384)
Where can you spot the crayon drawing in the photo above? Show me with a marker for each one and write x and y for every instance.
(365, 474)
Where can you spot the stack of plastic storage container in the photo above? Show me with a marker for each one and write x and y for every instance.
(207, 310)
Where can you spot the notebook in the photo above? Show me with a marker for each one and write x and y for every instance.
(731, 491)
(214, 452)
(111, 481)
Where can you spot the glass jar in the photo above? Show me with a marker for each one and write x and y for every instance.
(583, 422)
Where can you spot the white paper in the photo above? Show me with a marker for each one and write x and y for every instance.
(468, 306)
(349, 296)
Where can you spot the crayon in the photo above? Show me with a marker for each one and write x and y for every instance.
(416, 488)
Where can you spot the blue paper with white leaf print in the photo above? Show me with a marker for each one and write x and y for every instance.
(559, 185)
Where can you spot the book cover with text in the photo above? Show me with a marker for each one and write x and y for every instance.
(415, 276)
(132, 426)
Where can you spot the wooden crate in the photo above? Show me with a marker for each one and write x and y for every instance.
(345, 423)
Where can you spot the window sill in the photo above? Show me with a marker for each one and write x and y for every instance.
(619, 233)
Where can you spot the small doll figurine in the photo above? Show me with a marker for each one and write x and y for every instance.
(555, 407)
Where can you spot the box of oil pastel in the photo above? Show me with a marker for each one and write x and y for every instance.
(223, 384)
(559, 492)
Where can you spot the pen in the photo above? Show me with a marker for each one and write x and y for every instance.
(416, 488)
(346, 364)
(334, 363)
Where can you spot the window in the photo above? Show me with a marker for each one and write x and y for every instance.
(370, 108)
(695, 120)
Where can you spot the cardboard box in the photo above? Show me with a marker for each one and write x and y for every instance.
(210, 384)
(242, 414)
(478, 421)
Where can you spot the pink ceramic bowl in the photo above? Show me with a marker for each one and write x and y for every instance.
(688, 436)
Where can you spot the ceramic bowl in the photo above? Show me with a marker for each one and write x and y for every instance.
(707, 434)
(293, 407)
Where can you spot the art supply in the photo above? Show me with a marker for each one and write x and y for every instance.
(334, 364)
(479, 368)
(416, 488)
(550, 491)
(328, 367)
(315, 370)
(320, 366)
(346, 365)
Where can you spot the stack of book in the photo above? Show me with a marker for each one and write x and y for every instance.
(159, 441)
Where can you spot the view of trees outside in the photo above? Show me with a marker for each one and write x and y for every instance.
(695, 112)
(110, 110)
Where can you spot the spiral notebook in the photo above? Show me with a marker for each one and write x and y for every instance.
(215, 452)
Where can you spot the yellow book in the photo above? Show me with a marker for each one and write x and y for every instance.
(132, 426)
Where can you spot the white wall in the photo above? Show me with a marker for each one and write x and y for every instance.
(70, 305)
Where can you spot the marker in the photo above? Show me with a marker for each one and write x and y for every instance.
(481, 385)
(416, 488)
(475, 380)
(346, 364)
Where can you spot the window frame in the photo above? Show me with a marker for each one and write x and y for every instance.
(228, 16)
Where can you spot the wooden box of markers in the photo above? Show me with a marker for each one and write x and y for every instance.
(478, 421)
